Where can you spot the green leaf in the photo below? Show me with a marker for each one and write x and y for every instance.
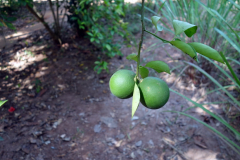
(1, 24)
(132, 56)
(136, 99)
(236, 46)
(92, 39)
(155, 20)
(230, 69)
(187, 28)
(10, 25)
(108, 47)
(206, 51)
(143, 71)
(186, 48)
(213, 129)
(158, 66)
(11, 19)
(209, 112)
(2, 102)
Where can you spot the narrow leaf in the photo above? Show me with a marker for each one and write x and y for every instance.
(210, 127)
(187, 28)
(224, 72)
(132, 56)
(231, 70)
(143, 71)
(158, 66)
(218, 17)
(209, 112)
(160, 8)
(217, 83)
(2, 102)
(236, 46)
(235, 4)
(186, 48)
(207, 51)
(1, 24)
(136, 99)
(155, 20)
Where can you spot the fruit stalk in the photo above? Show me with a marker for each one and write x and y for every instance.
(141, 40)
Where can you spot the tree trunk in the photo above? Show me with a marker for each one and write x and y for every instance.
(55, 38)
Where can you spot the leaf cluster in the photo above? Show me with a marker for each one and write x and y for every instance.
(102, 22)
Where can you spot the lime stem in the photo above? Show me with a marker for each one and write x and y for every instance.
(164, 40)
(141, 41)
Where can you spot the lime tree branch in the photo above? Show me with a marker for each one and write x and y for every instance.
(164, 40)
(141, 41)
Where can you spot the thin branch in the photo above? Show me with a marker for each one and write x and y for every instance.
(57, 22)
(51, 7)
(178, 151)
(41, 19)
(141, 41)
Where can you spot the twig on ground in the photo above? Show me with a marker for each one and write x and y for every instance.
(178, 151)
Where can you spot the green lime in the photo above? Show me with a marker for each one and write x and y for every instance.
(154, 92)
(122, 83)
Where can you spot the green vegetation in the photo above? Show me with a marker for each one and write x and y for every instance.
(218, 28)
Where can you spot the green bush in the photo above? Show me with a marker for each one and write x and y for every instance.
(101, 22)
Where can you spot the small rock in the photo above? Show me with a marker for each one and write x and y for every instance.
(181, 138)
(110, 122)
(138, 144)
(111, 141)
(32, 140)
(16, 115)
(63, 136)
(55, 124)
(139, 152)
(19, 94)
(82, 114)
(47, 142)
(72, 145)
(143, 123)
(150, 142)
(97, 128)
(165, 129)
(120, 136)
(90, 76)
(67, 139)
(37, 133)
(112, 114)
(133, 125)
(48, 127)
(134, 118)
(132, 155)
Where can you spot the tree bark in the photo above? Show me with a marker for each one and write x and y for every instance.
(55, 38)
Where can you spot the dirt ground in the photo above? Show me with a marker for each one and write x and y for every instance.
(65, 111)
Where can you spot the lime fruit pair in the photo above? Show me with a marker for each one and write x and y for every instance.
(154, 92)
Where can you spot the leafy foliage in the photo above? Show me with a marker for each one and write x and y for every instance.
(2, 103)
(101, 22)
(7, 14)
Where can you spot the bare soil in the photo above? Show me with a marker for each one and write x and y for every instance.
(64, 110)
